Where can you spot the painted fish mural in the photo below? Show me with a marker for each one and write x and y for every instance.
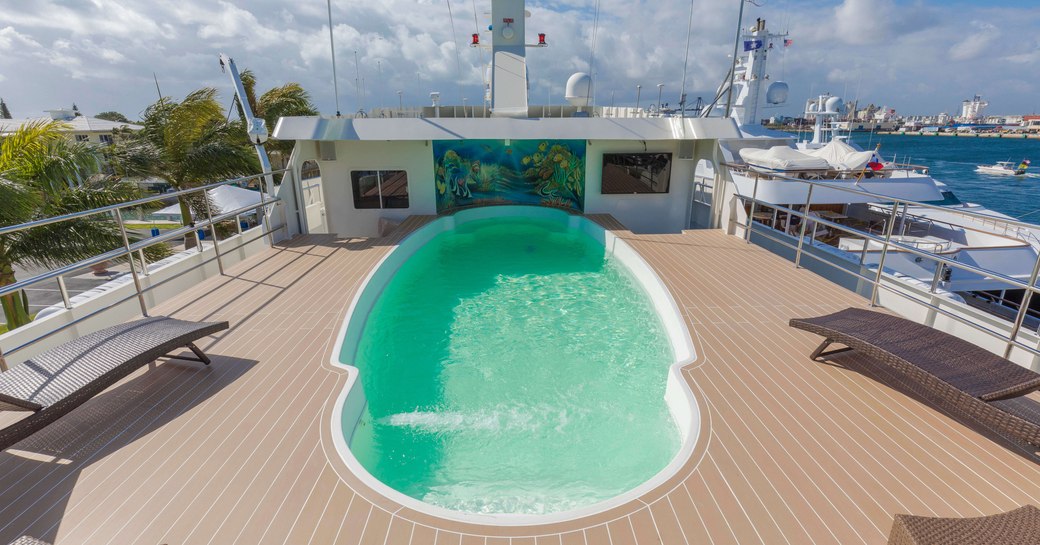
(486, 172)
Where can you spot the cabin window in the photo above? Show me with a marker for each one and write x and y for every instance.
(105, 138)
(380, 188)
(628, 173)
(81, 138)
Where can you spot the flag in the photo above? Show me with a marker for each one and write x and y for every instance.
(873, 165)
(787, 42)
(751, 45)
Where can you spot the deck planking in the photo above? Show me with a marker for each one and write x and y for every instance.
(790, 451)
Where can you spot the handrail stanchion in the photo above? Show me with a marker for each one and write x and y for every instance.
(940, 267)
(238, 223)
(216, 241)
(1023, 309)
(884, 253)
(805, 223)
(144, 262)
(133, 267)
(751, 214)
(64, 292)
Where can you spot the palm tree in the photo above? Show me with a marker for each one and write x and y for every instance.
(44, 174)
(288, 100)
(187, 144)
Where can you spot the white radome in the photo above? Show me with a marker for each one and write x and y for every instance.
(579, 86)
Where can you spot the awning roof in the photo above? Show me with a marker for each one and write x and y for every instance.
(576, 128)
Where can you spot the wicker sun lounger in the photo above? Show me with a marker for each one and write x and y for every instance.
(1012, 528)
(956, 375)
(63, 378)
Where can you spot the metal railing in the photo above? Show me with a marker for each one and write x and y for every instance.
(133, 251)
(943, 263)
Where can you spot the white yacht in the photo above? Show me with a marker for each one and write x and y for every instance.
(1005, 168)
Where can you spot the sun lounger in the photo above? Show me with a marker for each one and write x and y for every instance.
(959, 376)
(1015, 527)
(63, 378)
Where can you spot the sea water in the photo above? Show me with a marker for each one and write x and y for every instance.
(952, 160)
(511, 366)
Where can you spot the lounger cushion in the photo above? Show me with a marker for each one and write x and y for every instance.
(967, 367)
(57, 373)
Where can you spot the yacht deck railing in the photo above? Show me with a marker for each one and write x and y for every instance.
(887, 244)
(133, 252)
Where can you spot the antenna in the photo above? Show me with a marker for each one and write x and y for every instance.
(733, 69)
(332, 46)
(156, 79)
(682, 92)
(357, 81)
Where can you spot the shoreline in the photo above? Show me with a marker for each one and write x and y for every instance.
(1026, 136)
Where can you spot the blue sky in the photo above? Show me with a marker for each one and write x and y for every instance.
(918, 56)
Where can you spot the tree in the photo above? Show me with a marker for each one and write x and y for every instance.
(288, 100)
(188, 144)
(44, 174)
(112, 116)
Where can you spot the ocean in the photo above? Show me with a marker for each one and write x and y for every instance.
(952, 160)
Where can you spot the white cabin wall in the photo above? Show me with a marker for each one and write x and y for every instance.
(416, 158)
(642, 213)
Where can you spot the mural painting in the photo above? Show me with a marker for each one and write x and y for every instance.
(487, 172)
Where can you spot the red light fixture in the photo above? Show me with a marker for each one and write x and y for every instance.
(476, 39)
(541, 38)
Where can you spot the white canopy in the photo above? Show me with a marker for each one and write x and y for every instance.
(782, 158)
(842, 156)
(226, 198)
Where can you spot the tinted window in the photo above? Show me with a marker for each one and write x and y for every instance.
(380, 188)
(626, 173)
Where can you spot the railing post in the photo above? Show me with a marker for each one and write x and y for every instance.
(133, 267)
(216, 239)
(64, 292)
(751, 214)
(884, 253)
(940, 267)
(238, 223)
(144, 262)
(1023, 309)
(3, 361)
(805, 223)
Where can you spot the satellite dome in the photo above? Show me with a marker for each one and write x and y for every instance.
(579, 87)
(777, 93)
(834, 104)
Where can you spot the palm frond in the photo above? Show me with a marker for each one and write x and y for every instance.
(19, 202)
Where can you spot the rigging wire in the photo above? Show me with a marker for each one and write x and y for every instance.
(686, 60)
(592, 56)
(483, 67)
(332, 47)
(455, 41)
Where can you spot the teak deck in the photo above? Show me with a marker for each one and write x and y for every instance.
(790, 451)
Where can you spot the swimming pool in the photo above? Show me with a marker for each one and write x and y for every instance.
(512, 365)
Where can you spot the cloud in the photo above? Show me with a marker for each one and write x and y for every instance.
(102, 53)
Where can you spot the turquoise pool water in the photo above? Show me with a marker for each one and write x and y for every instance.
(510, 366)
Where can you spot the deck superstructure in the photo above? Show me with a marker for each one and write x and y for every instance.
(791, 451)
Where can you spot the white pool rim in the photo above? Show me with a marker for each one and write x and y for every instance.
(679, 397)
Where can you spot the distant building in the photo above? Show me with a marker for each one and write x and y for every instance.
(971, 110)
(1031, 122)
(81, 128)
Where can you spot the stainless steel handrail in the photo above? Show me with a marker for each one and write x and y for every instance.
(128, 249)
(1030, 287)
(129, 204)
(886, 198)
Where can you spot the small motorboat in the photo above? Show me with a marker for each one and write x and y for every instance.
(1004, 168)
